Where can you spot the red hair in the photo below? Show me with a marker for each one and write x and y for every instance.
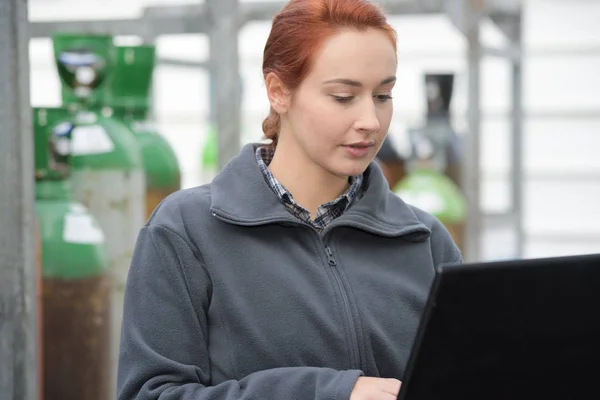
(299, 30)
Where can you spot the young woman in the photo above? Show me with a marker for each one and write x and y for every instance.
(296, 274)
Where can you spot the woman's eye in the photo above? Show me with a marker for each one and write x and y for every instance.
(343, 99)
(383, 97)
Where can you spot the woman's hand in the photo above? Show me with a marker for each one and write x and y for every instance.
(368, 388)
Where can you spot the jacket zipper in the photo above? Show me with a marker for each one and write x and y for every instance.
(353, 339)
(332, 263)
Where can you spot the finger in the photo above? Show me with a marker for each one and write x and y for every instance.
(387, 396)
(391, 386)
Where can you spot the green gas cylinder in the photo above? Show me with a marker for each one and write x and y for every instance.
(76, 283)
(131, 81)
(107, 172)
(161, 166)
(131, 101)
(108, 178)
(84, 63)
(431, 190)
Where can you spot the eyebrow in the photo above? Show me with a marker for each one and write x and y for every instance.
(351, 82)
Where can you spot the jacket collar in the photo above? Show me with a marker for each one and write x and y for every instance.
(240, 195)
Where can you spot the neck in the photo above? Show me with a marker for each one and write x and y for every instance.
(309, 184)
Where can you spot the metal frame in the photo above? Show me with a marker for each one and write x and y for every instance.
(509, 21)
(224, 21)
(471, 165)
(18, 300)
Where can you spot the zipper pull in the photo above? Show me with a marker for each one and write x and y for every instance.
(330, 258)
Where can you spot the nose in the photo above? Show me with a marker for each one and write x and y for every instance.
(367, 121)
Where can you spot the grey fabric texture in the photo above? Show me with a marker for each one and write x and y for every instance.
(229, 296)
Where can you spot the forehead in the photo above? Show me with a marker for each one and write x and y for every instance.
(367, 56)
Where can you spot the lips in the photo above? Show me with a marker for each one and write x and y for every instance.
(360, 145)
(359, 149)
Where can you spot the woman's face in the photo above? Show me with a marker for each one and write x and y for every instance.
(340, 114)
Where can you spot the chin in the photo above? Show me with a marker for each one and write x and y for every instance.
(351, 169)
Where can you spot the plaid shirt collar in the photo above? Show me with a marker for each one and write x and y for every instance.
(326, 213)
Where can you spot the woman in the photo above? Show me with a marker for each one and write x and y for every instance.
(296, 274)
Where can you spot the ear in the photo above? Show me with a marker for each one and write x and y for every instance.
(279, 95)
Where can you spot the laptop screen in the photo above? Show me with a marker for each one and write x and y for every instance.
(527, 329)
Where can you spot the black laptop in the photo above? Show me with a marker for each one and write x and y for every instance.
(510, 330)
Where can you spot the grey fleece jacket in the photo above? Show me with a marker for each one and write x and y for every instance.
(229, 296)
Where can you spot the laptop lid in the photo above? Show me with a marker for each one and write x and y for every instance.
(524, 329)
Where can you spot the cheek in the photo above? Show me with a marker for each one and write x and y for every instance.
(321, 120)
(384, 115)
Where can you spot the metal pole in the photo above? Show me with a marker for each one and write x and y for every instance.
(471, 169)
(223, 17)
(18, 325)
(517, 143)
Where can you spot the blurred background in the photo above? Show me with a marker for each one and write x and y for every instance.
(561, 104)
(496, 131)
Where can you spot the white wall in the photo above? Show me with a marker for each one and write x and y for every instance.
(561, 100)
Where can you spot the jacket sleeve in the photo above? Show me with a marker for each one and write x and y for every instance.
(164, 354)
